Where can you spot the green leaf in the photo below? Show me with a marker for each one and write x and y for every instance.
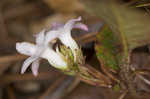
(129, 24)
(107, 49)
(130, 28)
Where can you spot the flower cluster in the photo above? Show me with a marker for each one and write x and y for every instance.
(44, 47)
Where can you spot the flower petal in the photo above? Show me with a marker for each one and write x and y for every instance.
(81, 26)
(40, 37)
(55, 26)
(35, 67)
(26, 48)
(68, 41)
(51, 35)
(27, 63)
(69, 25)
(54, 58)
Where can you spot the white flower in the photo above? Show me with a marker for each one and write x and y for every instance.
(38, 51)
(63, 32)
(43, 49)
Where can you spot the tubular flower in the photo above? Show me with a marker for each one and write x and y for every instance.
(38, 51)
(63, 32)
(65, 56)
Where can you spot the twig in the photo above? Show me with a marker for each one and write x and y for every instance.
(143, 5)
(11, 58)
(95, 83)
(63, 86)
(52, 87)
(91, 76)
(98, 74)
(122, 96)
(105, 70)
(5, 61)
(144, 79)
(87, 38)
(73, 85)
(6, 79)
(142, 72)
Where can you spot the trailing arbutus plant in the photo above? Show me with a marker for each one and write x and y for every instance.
(125, 29)
(67, 56)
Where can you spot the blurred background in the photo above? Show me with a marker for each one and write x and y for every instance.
(19, 21)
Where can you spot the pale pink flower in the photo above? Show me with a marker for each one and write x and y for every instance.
(38, 51)
(63, 32)
(43, 46)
